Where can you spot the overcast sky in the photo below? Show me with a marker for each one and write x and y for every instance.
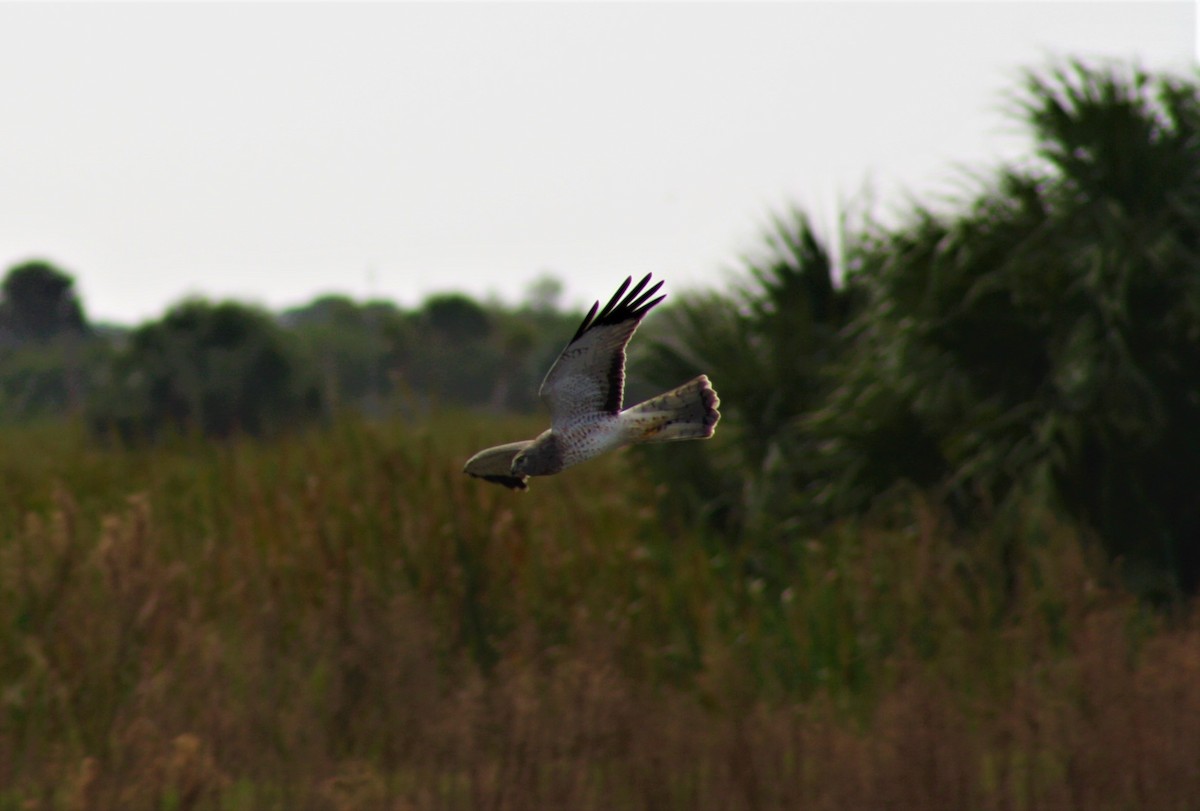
(273, 152)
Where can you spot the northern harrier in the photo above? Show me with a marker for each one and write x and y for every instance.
(584, 389)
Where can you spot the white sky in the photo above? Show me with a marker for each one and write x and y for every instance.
(273, 152)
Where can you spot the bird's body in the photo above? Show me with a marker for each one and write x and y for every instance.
(584, 390)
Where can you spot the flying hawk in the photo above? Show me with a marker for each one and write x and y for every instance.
(584, 389)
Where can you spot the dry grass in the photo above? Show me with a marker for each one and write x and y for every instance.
(343, 621)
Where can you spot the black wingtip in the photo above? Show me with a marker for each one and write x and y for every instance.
(511, 482)
(633, 306)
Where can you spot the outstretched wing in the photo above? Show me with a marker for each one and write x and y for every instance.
(495, 465)
(589, 375)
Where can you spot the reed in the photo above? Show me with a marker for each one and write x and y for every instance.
(341, 620)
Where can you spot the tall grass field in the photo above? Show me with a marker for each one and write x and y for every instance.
(342, 620)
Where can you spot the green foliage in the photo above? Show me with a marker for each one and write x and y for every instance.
(47, 349)
(452, 351)
(767, 348)
(491, 358)
(38, 303)
(1045, 340)
(214, 368)
(355, 350)
(46, 381)
(454, 361)
(456, 318)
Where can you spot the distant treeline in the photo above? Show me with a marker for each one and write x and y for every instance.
(225, 368)
(1035, 342)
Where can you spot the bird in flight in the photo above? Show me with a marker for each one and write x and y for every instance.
(584, 391)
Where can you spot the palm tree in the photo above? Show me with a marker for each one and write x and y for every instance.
(765, 347)
(1048, 337)
(1040, 340)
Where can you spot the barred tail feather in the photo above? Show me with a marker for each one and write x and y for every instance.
(687, 412)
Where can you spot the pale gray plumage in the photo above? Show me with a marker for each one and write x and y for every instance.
(584, 390)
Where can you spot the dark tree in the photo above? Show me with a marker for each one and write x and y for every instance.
(457, 318)
(39, 303)
(217, 368)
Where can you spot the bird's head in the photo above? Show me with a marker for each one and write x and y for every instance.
(540, 458)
